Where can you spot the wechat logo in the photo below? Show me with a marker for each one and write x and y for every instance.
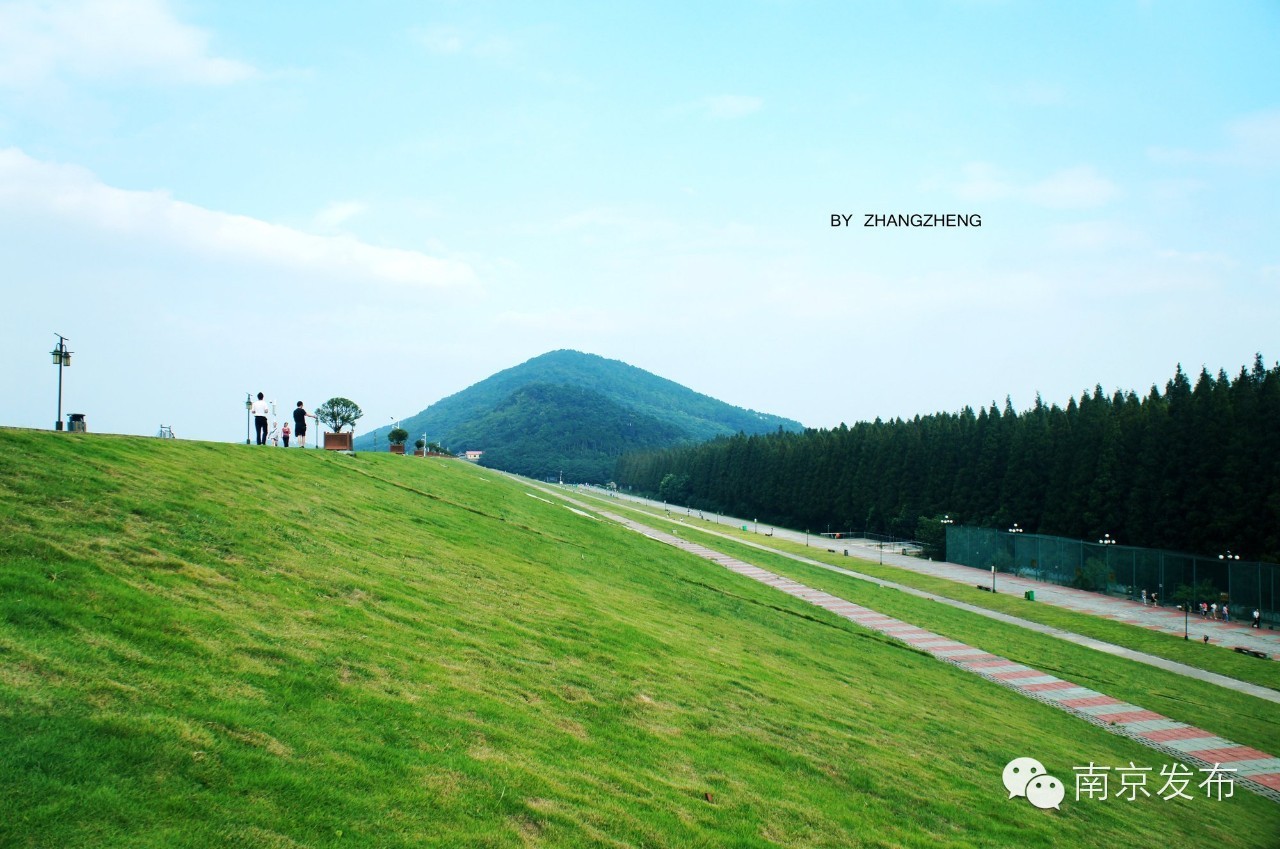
(1027, 777)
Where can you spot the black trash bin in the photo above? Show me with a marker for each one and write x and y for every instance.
(76, 423)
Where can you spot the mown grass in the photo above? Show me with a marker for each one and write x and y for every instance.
(1215, 657)
(222, 645)
(1243, 718)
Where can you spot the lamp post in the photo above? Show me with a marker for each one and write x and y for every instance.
(1227, 558)
(1108, 541)
(946, 520)
(61, 358)
(1016, 529)
(248, 405)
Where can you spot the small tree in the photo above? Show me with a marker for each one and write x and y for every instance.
(420, 444)
(397, 436)
(338, 413)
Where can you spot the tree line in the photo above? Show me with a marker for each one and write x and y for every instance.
(1195, 467)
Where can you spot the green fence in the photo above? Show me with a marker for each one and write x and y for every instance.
(1118, 570)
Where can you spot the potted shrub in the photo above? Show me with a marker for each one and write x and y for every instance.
(397, 436)
(421, 446)
(338, 413)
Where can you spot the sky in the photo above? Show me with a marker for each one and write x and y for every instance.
(390, 201)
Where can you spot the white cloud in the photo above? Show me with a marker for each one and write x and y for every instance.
(339, 212)
(451, 41)
(96, 39)
(72, 194)
(1030, 93)
(1081, 187)
(1075, 188)
(1093, 236)
(1252, 141)
(731, 105)
(1198, 257)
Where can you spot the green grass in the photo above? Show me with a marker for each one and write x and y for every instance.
(1213, 658)
(214, 645)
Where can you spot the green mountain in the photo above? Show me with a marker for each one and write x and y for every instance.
(574, 413)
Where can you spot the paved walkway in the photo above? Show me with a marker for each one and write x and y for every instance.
(1165, 619)
(1253, 769)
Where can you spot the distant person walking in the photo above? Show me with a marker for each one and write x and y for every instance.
(1226, 614)
(300, 416)
(284, 434)
(1144, 598)
(1257, 618)
(1213, 608)
(260, 410)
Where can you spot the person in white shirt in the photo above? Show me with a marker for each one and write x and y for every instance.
(260, 410)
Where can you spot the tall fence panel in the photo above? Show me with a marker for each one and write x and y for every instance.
(1120, 570)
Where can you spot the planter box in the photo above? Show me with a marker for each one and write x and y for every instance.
(397, 449)
(420, 452)
(338, 441)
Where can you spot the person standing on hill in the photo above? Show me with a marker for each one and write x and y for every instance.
(300, 416)
(260, 411)
(284, 434)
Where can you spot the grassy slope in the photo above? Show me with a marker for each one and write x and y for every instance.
(226, 645)
(1217, 657)
(1241, 718)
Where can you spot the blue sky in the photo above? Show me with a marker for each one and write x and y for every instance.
(391, 201)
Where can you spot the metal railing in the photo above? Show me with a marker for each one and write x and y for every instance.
(1120, 570)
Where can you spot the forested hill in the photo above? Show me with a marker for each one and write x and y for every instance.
(566, 410)
(1195, 467)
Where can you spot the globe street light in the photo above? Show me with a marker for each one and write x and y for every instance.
(61, 358)
(1016, 529)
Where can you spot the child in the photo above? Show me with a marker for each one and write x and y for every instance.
(284, 434)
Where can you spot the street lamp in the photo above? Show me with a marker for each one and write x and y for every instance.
(61, 359)
(1106, 540)
(1228, 556)
(1016, 529)
(248, 405)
